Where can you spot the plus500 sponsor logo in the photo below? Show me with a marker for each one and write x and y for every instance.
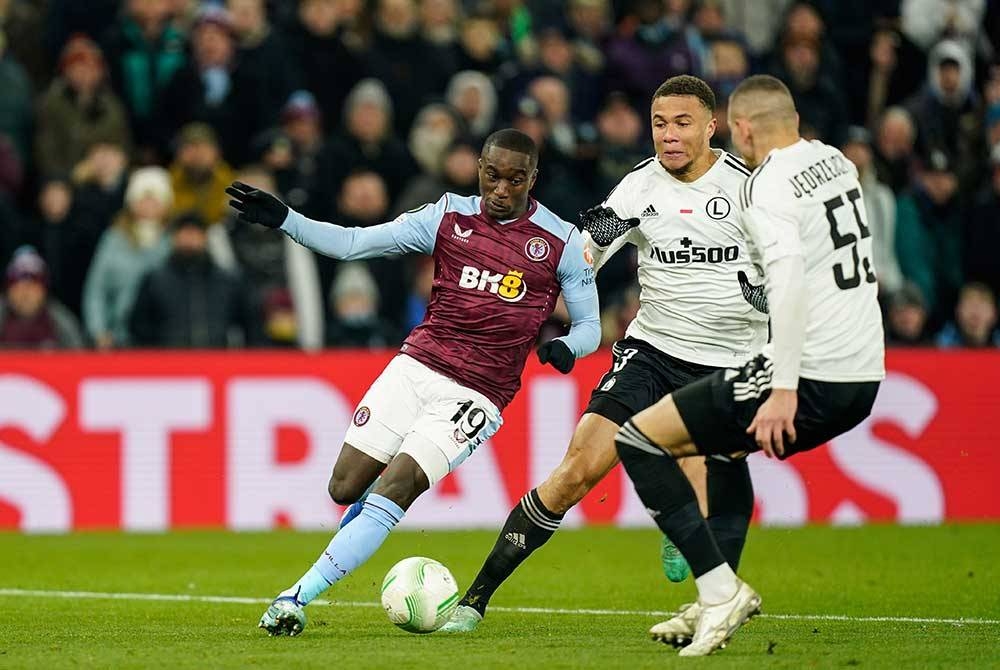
(508, 287)
(690, 253)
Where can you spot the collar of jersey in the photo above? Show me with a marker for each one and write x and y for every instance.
(719, 158)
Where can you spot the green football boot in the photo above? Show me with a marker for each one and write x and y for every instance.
(465, 620)
(675, 566)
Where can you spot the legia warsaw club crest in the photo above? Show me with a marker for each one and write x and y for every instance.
(537, 249)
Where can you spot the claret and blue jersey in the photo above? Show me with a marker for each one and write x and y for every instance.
(495, 284)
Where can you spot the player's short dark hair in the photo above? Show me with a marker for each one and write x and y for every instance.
(760, 83)
(513, 140)
(685, 84)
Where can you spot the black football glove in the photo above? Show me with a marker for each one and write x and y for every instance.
(753, 294)
(604, 225)
(558, 355)
(256, 206)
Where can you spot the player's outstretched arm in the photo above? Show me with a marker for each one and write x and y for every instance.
(413, 231)
(604, 233)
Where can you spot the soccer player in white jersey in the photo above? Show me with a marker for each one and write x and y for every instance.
(816, 379)
(680, 209)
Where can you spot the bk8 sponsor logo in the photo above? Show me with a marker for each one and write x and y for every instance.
(509, 287)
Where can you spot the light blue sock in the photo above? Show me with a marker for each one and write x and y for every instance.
(349, 548)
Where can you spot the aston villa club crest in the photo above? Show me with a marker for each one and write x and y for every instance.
(361, 416)
(537, 249)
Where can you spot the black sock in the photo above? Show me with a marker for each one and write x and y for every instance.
(730, 504)
(528, 527)
(669, 498)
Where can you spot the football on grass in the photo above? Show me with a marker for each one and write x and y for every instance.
(419, 594)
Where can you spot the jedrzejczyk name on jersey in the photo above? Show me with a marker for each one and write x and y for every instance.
(691, 248)
(805, 199)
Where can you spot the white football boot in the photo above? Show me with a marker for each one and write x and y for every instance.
(717, 623)
(679, 630)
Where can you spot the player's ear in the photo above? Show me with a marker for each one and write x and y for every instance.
(534, 178)
(712, 126)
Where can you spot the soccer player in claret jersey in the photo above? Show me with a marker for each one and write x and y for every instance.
(679, 208)
(816, 379)
(501, 260)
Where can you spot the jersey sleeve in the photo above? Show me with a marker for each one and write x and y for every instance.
(579, 291)
(411, 232)
(623, 204)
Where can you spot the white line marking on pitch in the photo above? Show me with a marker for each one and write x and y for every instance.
(181, 597)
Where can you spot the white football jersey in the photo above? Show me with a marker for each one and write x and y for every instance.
(691, 246)
(805, 200)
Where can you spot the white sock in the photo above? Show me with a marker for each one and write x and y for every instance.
(717, 585)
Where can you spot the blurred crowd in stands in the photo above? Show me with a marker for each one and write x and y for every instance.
(122, 121)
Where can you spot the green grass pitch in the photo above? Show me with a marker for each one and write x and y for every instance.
(822, 588)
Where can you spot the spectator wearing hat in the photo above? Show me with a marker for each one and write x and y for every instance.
(199, 175)
(189, 302)
(219, 89)
(946, 112)
(982, 230)
(906, 318)
(880, 208)
(975, 323)
(354, 311)
(368, 141)
(135, 243)
(29, 318)
(78, 111)
(929, 223)
(304, 179)
(143, 51)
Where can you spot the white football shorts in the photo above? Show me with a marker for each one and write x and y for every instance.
(413, 410)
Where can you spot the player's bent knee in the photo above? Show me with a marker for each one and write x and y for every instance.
(345, 490)
(580, 471)
(403, 481)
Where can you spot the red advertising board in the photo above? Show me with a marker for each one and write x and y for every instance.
(158, 440)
